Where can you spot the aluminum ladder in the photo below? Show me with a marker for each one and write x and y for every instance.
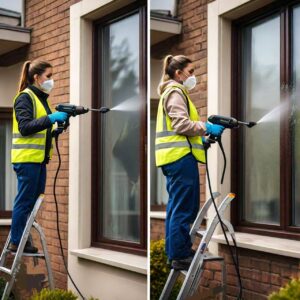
(193, 275)
(13, 271)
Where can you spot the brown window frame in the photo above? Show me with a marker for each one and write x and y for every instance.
(284, 229)
(6, 114)
(98, 240)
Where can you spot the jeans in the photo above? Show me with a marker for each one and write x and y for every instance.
(31, 183)
(183, 205)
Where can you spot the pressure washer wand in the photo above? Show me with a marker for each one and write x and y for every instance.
(227, 122)
(102, 110)
(73, 111)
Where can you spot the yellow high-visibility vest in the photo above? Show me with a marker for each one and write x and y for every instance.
(170, 146)
(29, 149)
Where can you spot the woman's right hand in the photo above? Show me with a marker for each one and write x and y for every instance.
(58, 116)
(214, 129)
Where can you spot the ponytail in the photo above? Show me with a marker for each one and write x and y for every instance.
(24, 76)
(29, 70)
(170, 65)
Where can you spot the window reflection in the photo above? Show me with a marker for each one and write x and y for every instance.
(121, 132)
(261, 93)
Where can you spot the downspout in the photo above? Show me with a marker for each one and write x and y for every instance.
(23, 13)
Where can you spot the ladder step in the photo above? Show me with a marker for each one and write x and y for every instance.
(5, 270)
(218, 258)
(200, 233)
(38, 255)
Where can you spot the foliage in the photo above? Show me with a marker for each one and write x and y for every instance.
(159, 270)
(291, 291)
(2, 287)
(57, 294)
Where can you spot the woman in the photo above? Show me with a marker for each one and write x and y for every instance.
(32, 143)
(178, 148)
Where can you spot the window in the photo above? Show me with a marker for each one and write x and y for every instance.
(15, 5)
(119, 147)
(158, 192)
(8, 185)
(266, 164)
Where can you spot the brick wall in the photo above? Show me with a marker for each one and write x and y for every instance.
(261, 273)
(50, 40)
(157, 228)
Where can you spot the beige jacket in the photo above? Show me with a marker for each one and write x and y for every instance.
(175, 105)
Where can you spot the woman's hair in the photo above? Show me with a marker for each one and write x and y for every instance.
(171, 64)
(30, 68)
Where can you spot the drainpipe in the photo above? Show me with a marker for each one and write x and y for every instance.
(23, 13)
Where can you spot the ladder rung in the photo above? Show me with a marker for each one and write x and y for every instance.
(38, 255)
(183, 272)
(213, 258)
(5, 270)
(200, 232)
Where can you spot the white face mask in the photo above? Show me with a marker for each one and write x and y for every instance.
(190, 82)
(47, 85)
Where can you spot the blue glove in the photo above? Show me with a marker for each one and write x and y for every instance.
(58, 116)
(214, 129)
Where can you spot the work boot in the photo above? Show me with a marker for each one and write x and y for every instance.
(182, 264)
(29, 248)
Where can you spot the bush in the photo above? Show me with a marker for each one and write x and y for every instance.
(57, 294)
(2, 287)
(159, 271)
(291, 291)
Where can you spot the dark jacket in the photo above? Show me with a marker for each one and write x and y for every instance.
(27, 124)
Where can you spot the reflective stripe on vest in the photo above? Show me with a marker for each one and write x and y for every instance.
(29, 148)
(170, 146)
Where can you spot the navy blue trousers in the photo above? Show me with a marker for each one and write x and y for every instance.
(183, 205)
(31, 183)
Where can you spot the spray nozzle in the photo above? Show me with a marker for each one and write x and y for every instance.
(102, 110)
(251, 124)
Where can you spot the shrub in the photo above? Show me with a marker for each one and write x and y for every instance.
(57, 294)
(159, 271)
(2, 287)
(291, 291)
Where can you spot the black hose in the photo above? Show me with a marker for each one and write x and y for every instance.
(235, 261)
(57, 218)
(224, 157)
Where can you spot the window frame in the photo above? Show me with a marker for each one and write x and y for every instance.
(284, 229)
(97, 238)
(6, 113)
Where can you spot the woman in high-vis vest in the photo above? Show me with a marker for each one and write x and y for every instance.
(31, 143)
(178, 149)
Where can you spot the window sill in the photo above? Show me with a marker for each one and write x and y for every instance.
(282, 247)
(5, 222)
(130, 262)
(158, 215)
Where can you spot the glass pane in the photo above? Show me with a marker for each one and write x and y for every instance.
(296, 115)
(15, 5)
(260, 94)
(159, 195)
(120, 131)
(8, 185)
